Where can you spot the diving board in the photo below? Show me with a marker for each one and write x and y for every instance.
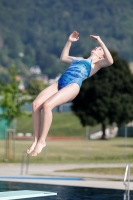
(22, 194)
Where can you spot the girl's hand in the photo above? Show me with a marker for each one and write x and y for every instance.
(74, 37)
(97, 38)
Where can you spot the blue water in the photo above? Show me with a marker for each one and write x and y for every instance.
(66, 192)
(41, 178)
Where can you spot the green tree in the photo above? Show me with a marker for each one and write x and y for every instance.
(24, 31)
(35, 86)
(12, 98)
(107, 96)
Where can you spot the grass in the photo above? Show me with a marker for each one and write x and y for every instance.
(109, 171)
(71, 151)
(76, 151)
(64, 124)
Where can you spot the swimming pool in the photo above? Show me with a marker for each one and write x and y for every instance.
(66, 192)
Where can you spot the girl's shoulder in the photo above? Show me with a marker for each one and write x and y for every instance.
(78, 58)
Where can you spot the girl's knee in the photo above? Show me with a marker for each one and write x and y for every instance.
(36, 105)
(46, 106)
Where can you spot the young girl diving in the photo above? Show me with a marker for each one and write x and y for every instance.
(66, 88)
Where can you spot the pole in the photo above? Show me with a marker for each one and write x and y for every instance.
(9, 144)
(6, 147)
(87, 141)
(125, 153)
(128, 183)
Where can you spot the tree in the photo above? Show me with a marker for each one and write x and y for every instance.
(12, 98)
(107, 96)
(35, 86)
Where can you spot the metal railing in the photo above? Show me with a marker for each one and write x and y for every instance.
(25, 163)
(126, 182)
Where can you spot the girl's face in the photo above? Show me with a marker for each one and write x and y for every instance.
(98, 51)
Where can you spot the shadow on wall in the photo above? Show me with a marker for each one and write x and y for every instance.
(110, 133)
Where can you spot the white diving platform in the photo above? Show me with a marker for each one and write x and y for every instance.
(22, 194)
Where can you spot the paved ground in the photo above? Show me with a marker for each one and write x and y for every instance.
(49, 170)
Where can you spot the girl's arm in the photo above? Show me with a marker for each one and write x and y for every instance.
(65, 52)
(107, 60)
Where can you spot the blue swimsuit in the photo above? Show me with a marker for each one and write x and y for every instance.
(76, 73)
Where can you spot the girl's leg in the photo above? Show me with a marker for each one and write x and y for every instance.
(62, 96)
(36, 112)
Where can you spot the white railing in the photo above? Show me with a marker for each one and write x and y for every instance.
(126, 182)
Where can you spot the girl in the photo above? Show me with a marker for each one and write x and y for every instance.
(66, 88)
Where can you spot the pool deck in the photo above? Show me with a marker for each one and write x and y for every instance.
(47, 174)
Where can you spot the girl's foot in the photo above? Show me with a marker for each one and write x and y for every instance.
(38, 148)
(31, 147)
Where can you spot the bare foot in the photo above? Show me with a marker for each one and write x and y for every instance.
(31, 147)
(38, 148)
